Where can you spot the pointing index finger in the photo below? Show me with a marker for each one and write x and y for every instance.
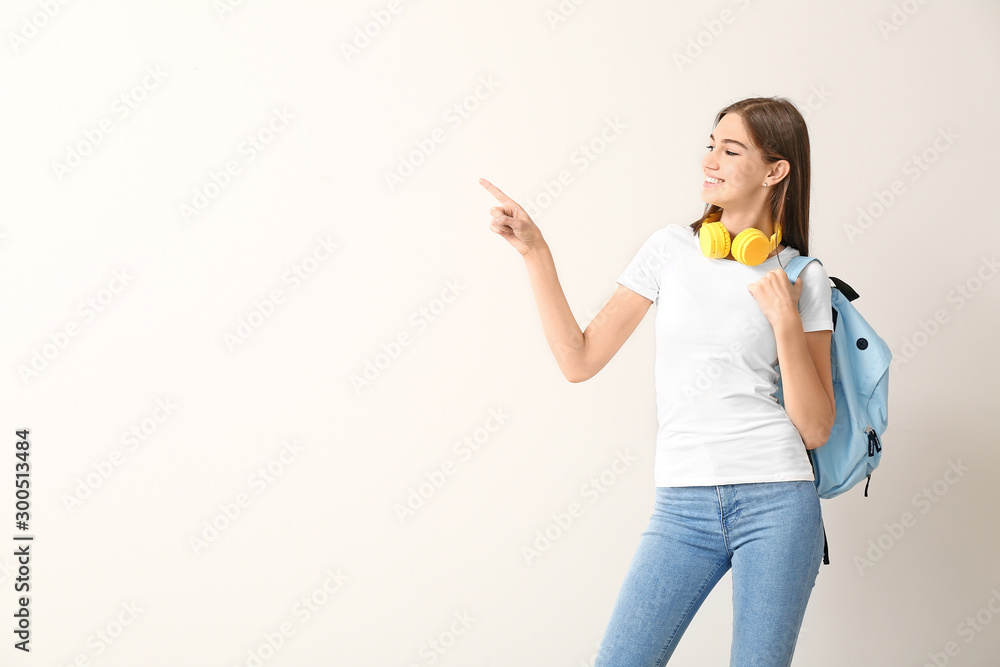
(494, 190)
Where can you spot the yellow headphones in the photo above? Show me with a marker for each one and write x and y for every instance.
(750, 247)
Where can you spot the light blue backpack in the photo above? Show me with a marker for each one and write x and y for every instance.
(860, 363)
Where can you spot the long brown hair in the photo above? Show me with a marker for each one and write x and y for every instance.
(778, 131)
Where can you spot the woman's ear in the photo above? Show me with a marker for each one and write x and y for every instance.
(779, 170)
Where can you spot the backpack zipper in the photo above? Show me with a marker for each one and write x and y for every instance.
(873, 442)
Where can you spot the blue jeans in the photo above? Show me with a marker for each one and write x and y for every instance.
(770, 533)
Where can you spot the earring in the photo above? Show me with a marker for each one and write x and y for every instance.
(765, 184)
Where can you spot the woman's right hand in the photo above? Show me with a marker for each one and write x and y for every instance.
(511, 222)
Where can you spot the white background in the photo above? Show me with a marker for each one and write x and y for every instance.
(879, 83)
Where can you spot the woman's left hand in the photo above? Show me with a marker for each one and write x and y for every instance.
(777, 296)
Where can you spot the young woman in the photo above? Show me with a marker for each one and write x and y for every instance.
(734, 485)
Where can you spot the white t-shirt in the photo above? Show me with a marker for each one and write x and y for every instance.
(719, 422)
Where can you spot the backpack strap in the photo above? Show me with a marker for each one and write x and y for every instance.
(796, 265)
(826, 546)
(826, 549)
(844, 288)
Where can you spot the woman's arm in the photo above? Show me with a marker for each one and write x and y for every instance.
(580, 355)
(806, 379)
(804, 358)
(561, 330)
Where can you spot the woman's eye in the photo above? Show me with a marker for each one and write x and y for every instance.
(709, 147)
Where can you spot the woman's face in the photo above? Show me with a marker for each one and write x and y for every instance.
(733, 159)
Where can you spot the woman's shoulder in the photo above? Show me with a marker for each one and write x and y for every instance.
(678, 229)
(672, 236)
(816, 281)
(813, 268)
(667, 233)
